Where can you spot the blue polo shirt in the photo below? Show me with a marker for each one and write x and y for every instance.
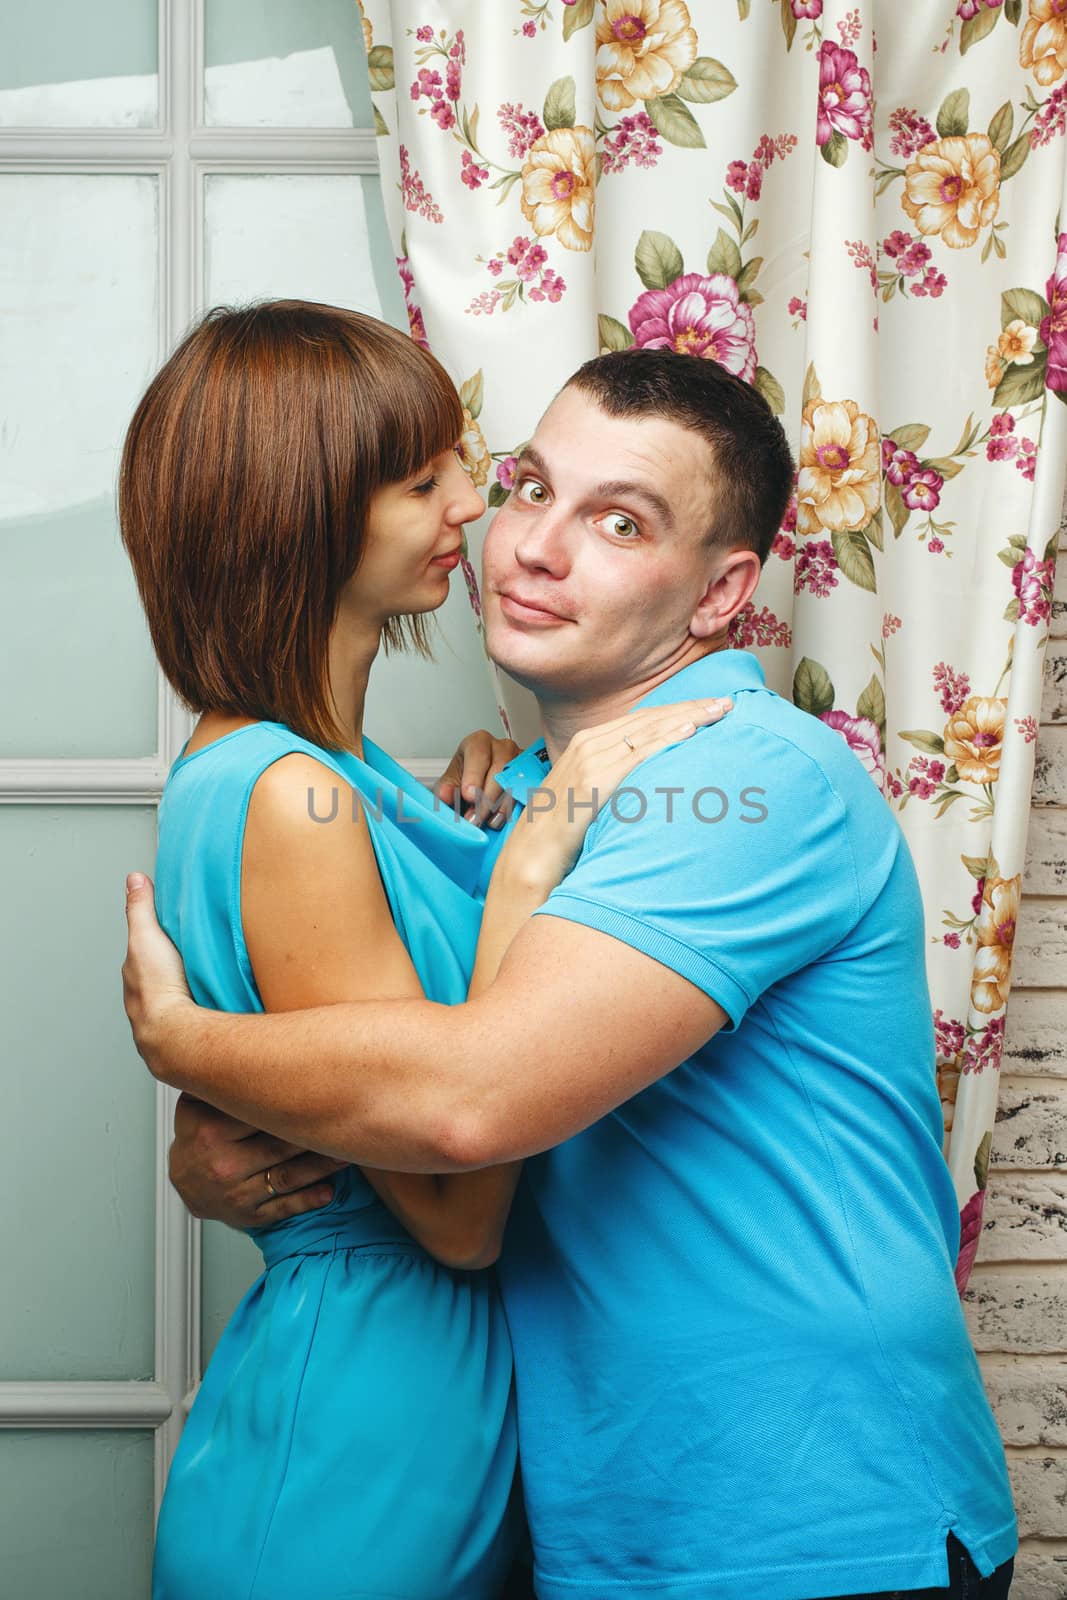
(741, 1363)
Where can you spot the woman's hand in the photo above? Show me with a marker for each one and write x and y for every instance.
(153, 977)
(470, 772)
(548, 839)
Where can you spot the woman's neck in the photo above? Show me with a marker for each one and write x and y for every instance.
(353, 647)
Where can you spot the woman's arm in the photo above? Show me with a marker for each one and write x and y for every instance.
(319, 931)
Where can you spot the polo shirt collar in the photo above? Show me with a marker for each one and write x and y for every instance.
(713, 677)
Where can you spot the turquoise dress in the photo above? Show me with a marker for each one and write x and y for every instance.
(354, 1434)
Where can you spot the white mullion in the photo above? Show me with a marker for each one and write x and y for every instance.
(178, 27)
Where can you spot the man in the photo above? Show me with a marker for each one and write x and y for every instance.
(741, 1366)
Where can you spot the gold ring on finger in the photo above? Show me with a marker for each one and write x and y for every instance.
(271, 1190)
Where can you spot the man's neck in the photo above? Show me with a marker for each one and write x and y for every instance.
(562, 718)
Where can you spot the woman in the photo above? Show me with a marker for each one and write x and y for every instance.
(291, 498)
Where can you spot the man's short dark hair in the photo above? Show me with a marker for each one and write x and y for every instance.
(753, 467)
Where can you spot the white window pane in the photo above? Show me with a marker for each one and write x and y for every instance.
(288, 237)
(64, 64)
(77, 1138)
(276, 64)
(76, 1514)
(78, 341)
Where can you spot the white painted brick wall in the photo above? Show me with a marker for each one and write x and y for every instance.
(1017, 1301)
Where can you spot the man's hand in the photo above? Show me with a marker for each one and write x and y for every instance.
(221, 1168)
(153, 978)
(479, 755)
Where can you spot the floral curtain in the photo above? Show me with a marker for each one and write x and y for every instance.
(856, 208)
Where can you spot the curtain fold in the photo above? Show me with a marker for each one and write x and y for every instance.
(856, 208)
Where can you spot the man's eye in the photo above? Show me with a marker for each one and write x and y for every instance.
(623, 527)
(535, 493)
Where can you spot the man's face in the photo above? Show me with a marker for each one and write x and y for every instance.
(595, 565)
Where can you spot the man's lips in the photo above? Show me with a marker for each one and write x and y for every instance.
(527, 609)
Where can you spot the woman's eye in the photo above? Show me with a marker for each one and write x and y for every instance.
(623, 527)
(535, 493)
(426, 487)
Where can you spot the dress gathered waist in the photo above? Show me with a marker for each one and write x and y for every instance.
(369, 1227)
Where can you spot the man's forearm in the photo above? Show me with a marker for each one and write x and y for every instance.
(382, 1083)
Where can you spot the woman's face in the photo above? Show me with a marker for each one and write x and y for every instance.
(412, 543)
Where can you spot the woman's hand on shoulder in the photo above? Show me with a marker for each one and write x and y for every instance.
(547, 841)
(469, 782)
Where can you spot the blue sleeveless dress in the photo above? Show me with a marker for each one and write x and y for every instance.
(354, 1434)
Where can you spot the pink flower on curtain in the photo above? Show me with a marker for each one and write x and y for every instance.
(698, 316)
(862, 737)
(415, 321)
(1032, 581)
(844, 96)
(970, 1233)
(1053, 328)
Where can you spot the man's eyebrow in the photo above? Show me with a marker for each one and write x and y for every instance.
(532, 460)
(529, 457)
(637, 491)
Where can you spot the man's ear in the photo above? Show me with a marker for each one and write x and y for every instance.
(732, 585)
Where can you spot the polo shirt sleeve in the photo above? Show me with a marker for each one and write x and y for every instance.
(741, 878)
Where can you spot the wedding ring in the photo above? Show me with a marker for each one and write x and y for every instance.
(271, 1190)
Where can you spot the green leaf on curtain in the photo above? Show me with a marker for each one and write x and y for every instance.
(750, 230)
(955, 112)
(981, 1155)
(613, 335)
(977, 27)
(789, 24)
(743, 8)
(1013, 10)
(472, 393)
(923, 739)
(768, 386)
(1020, 385)
(952, 776)
(1023, 305)
(898, 511)
(706, 80)
(1011, 610)
(1014, 156)
(977, 866)
(577, 16)
(912, 436)
(854, 557)
(873, 531)
(1052, 547)
(1001, 126)
(381, 127)
(673, 119)
(944, 465)
(559, 104)
(380, 65)
(949, 799)
(1010, 556)
(658, 260)
(835, 151)
(871, 704)
(748, 275)
(812, 387)
(724, 256)
(812, 688)
(497, 495)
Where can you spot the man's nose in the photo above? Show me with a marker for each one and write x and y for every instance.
(543, 545)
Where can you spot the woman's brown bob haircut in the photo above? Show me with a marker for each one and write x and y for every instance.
(246, 478)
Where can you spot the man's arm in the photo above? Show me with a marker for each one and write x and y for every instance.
(575, 1023)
